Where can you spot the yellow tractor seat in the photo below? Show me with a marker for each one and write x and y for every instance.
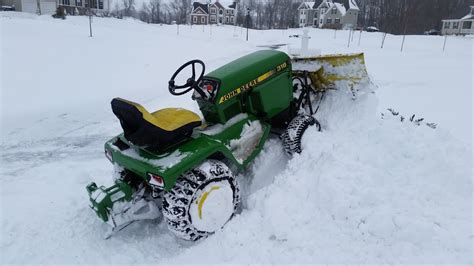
(157, 130)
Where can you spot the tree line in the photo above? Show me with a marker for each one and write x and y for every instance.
(392, 16)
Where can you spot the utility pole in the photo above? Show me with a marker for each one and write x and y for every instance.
(248, 21)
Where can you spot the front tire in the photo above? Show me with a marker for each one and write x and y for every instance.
(293, 134)
(203, 200)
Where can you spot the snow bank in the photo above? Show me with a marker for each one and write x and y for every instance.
(365, 190)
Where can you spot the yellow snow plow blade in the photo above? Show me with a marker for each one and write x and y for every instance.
(330, 71)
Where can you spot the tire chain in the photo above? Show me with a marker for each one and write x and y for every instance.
(293, 134)
(176, 202)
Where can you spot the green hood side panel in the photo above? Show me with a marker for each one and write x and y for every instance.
(247, 68)
(224, 139)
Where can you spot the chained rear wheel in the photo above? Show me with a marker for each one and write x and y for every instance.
(293, 134)
(203, 200)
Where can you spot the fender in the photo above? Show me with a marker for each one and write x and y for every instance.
(240, 140)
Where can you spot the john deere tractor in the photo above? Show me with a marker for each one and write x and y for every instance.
(182, 165)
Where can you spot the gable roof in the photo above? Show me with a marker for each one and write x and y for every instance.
(324, 4)
(219, 5)
(339, 7)
(306, 5)
(197, 5)
(348, 4)
(227, 3)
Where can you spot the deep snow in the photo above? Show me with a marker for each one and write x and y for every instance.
(365, 190)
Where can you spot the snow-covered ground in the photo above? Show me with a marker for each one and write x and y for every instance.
(365, 190)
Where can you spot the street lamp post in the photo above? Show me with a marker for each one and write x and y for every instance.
(248, 21)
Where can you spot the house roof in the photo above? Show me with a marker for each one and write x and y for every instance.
(348, 4)
(340, 7)
(325, 4)
(457, 15)
(317, 3)
(353, 5)
(204, 7)
(306, 5)
(227, 3)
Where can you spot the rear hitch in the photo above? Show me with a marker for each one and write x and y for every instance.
(119, 205)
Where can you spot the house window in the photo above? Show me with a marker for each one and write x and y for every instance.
(101, 4)
(467, 25)
(213, 10)
(231, 19)
(203, 20)
(328, 21)
(337, 21)
(213, 19)
(78, 3)
(301, 21)
(226, 19)
(221, 12)
(66, 2)
(447, 25)
(195, 19)
(321, 21)
(334, 11)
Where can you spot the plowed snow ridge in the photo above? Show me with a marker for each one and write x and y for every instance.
(365, 190)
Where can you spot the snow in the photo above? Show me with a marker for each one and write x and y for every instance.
(219, 128)
(340, 7)
(364, 190)
(249, 138)
(353, 5)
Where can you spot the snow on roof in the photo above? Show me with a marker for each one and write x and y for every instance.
(353, 5)
(226, 3)
(468, 16)
(340, 7)
(325, 4)
(306, 5)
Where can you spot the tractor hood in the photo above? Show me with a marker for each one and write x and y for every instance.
(246, 69)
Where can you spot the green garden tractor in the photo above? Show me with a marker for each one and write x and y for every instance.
(175, 164)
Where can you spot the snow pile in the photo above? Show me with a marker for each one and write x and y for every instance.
(376, 191)
(365, 190)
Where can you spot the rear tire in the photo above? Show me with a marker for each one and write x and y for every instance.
(203, 200)
(293, 134)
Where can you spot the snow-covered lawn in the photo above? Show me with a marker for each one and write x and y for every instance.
(365, 190)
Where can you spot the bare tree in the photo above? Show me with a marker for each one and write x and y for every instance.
(129, 7)
(181, 10)
(155, 11)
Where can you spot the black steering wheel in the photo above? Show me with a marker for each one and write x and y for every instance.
(191, 83)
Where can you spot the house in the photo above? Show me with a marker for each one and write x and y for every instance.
(306, 14)
(31, 6)
(49, 6)
(462, 26)
(333, 14)
(214, 13)
(80, 7)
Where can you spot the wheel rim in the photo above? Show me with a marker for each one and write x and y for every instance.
(212, 206)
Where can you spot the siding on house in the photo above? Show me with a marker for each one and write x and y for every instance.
(462, 26)
(31, 6)
(213, 13)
